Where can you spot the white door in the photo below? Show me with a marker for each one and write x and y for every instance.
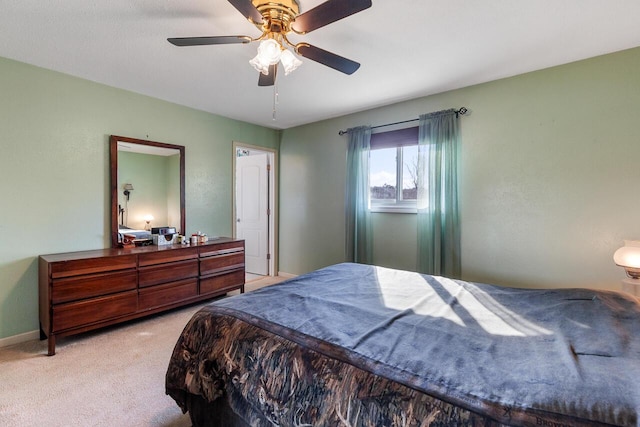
(252, 196)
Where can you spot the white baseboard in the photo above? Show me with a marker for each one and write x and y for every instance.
(20, 338)
(286, 275)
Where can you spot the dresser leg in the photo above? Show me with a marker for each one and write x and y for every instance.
(52, 345)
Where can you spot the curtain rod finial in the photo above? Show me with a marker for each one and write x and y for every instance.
(462, 111)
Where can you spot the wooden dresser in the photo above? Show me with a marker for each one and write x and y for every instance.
(81, 291)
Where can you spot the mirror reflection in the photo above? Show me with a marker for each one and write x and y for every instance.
(147, 188)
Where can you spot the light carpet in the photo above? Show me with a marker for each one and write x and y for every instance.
(110, 377)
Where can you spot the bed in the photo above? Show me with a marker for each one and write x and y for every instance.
(128, 235)
(357, 345)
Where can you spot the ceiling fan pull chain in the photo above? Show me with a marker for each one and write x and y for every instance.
(275, 101)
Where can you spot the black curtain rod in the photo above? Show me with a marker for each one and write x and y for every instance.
(461, 112)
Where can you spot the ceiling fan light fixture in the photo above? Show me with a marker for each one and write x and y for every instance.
(259, 65)
(289, 62)
(269, 53)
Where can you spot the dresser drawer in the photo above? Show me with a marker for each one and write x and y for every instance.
(218, 283)
(164, 273)
(170, 254)
(77, 267)
(167, 294)
(221, 249)
(219, 263)
(76, 314)
(94, 285)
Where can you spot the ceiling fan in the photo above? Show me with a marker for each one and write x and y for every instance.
(276, 19)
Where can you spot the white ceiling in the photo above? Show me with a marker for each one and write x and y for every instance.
(407, 49)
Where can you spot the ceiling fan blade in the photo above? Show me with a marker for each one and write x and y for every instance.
(327, 58)
(326, 13)
(248, 10)
(269, 80)
(202, 41)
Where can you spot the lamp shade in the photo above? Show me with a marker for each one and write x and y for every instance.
(259, 65)
(628, 257)
(289, 62)
(269, 51)
(268, 54)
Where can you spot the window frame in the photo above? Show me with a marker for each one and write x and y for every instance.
(397, 139)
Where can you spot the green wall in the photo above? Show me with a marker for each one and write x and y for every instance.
(547, 184)
(54, 168)
(548, 180)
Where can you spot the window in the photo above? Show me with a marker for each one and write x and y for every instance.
(393, 163)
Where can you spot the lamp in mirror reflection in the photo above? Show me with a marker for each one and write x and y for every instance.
(147, 219)
(128, 188)
(628, 257)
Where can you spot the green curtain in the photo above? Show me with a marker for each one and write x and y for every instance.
(438, 222)
(358, 218)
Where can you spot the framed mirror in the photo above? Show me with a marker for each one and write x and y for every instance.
(147, 188)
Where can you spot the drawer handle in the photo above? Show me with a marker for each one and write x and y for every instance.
(225, 252)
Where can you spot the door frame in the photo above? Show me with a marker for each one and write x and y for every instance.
(272, 155)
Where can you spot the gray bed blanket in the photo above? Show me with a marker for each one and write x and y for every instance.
(572, 352)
